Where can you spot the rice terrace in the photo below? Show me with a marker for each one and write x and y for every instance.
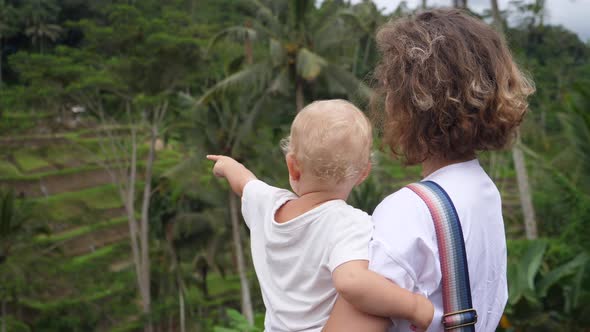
(167, 165)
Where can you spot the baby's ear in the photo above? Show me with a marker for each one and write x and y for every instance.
(365, 173)
(293, 166)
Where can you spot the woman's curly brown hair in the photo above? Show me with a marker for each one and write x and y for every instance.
(450, 87)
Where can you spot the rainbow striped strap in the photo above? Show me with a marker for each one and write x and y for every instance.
(459, 313)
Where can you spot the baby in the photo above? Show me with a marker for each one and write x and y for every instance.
(309, 246)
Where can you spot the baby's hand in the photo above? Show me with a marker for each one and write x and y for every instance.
(236, 174)
(223, 165)
(423, 314)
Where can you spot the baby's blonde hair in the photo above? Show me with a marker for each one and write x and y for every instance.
(331, 139)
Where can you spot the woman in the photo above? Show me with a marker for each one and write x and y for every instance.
(451, 90)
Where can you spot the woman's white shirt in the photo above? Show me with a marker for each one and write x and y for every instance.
(404, 247)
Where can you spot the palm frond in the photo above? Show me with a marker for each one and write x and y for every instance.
(276, 51)
(266, 15)
(577, 133)
(343, 23)
(309, 64)
(6, 212)
(252, 77)
(235, 33)
(281, 83)
(248, 124)
(339, 78)
(299, 10)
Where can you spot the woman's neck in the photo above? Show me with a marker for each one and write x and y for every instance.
(433, 164)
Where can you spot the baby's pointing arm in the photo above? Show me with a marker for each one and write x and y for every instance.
(236, 174)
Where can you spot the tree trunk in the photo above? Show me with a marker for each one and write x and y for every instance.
(175, 267)
(497, 17)
(299, 95)
(356, 57)
(526, 201)
(1, 78)
(424, 4)
(528, 211)
(3, 315)
(460, 3)
(248, 46)
(144, 230)
(129, 200)
(182, 314)
(193, 10)
(235, 225)
(367, 50)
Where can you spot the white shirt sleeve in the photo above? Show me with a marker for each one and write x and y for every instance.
(257, 197)
(403, 248)
(349, 240)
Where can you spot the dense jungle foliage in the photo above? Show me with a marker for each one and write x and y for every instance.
(110, 219)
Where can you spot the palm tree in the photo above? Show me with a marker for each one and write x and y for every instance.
(497, 17)
(576, 127)
(227, 122)
(39, 18)
(186, 223)
(7, 28)
(526, 201)
(538, 9)
(40, 31)
(15, 230)
(303, 44)
(460, 3)
(368, 18)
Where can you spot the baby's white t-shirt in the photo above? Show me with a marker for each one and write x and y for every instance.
(404, 246)
(294, 260)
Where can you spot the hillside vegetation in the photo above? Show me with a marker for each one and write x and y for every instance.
(110, 218)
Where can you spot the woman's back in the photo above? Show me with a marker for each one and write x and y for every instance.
(450, 90)
(404, 247)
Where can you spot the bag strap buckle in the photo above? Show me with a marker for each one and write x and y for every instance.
(466, 317)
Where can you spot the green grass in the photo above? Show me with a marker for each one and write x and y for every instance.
(71, 204)
(66, 210)
(7, 169)
(70, 301)
(64, 154)
(221, 290)
(16, 122)
(29, 161)
(105, 253)
(168, 154)
(132, 326)
(26, 115)
(17, 137)
(218, 285)
(97, 198)
(39, 175)
(160, 164)
(97, 131)
(80, 231)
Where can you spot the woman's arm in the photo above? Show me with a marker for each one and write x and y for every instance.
(374, 294)
(345, 317)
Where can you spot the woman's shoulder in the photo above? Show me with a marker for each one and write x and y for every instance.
(469, 187)
(402, 212)
(404, 200)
